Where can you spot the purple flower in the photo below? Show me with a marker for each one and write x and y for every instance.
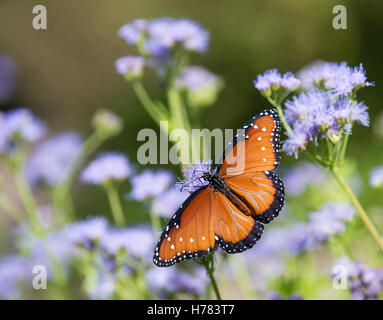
(13, 270)
(132, 32)
(168, 202)
(19, 124)
(103, 286)
(340, 78)
(138, 241)
(130, 66)
(195, 78)
(330, 220)
(8, 77)
(272, 79)
(150, 184)
(51, 160)
(376, 177)
(315, 113)
(295, 142)
(87, 232)
(160, 36)
(107, 166)
(170, 280)
(365, 283)
(302, 176)
(194, 176)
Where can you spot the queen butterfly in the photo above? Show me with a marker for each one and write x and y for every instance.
(230, 210)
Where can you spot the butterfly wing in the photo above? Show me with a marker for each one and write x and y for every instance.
(247, 164)
(256, 148)
(206, 219)
(262, 192)
(234, 230)
(189, 233)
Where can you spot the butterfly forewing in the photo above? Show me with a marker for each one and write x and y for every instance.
(256, 148)
(189, 234)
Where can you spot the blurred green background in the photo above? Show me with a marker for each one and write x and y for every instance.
(67, 72)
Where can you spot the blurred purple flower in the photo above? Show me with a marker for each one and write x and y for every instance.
(103, 287)
(131, 32)
(376, 177)
(8, 78)
(340, 78)
(160, 36)
(168, 202)
(51, 160)
(107, 166)
(171, 280)
(365, 283)
(19, 124)
(330, 220)
(138, 241)
(13, 270)
(131, 65)
(195, 78)
(87, 232)
(150, 184)
(301, 176)
(193, 174)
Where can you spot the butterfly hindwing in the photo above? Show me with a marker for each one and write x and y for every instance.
(234, 230)
(262, 192)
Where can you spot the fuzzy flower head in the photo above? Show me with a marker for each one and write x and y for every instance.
(273, 84)
(107, 166)
(86, 232)
(51, 160)
(150, 184)
(337, 77)
(376, 177)
(194, 176)
(201, 86)
(159, 37)
(131, 32)
(19, 125)
(316, 115)
(131, 67)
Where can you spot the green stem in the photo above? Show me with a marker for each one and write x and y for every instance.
(27, 200)
(115, 204)
(155, 221)
(363, 215)
(208, 263)
(61, 192)
(156, 111)
(281, 115)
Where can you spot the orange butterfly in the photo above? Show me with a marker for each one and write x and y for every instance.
(228, 211)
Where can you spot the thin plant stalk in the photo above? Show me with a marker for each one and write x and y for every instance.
(61, 197)
(362, 213)
(115, 204)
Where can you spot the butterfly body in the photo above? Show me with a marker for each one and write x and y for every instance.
(233, 202)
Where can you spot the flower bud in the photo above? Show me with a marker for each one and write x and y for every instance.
(107, 124)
